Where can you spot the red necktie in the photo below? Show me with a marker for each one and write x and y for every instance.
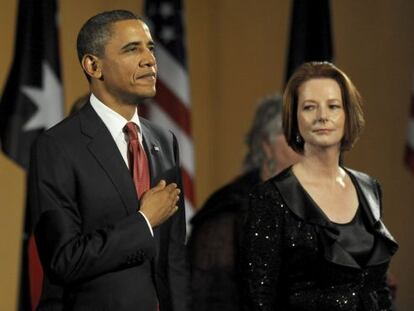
(138, 162)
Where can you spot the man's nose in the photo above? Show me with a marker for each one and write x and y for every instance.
(148, 59)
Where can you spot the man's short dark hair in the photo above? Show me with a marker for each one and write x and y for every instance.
(94, 34)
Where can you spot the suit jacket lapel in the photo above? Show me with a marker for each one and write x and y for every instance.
(104, 149)
(153, 151)
(154, 154)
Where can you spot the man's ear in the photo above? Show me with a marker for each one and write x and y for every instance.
(92, 66)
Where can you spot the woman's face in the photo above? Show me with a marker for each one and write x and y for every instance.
(321, 115)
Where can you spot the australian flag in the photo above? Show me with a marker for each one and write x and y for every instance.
(310, 34)
(31, 102)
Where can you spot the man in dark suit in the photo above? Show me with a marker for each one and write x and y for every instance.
(111, 224)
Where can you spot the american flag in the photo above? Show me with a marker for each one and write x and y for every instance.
(171, 107)
(409, 151)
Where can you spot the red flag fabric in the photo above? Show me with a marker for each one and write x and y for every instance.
(409, 149)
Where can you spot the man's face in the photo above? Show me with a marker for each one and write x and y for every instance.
(128, 66)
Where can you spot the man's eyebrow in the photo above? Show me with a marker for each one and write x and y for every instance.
(136, 43)
(131, 44)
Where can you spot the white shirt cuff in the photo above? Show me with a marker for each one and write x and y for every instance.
(148, 223)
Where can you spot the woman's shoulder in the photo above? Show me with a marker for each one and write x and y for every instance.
(266, 197)
(361, 176)
(269, 189)
(370, 188)
(264, 191)
(363, 179)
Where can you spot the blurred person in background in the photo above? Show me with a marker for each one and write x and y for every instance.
(214, 242)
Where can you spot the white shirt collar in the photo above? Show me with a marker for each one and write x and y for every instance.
(113, 120)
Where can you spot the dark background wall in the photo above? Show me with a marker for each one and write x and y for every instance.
(237, 54)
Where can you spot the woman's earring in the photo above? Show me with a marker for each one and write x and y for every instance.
(298, 139)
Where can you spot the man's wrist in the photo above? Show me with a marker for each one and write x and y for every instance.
(148, 223)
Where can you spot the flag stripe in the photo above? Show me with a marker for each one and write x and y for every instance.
(188, 186)
(173, 107)
(35, 273)
(173, 75)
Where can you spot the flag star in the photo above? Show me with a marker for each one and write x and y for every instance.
(167, 34)
(166, 9)
(48, 99)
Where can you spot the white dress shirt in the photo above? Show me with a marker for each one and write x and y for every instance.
(115, 124)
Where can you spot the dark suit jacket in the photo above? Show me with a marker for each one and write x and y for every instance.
(292, 259)
(96, 250)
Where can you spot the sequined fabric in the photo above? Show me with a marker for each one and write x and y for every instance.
(284, 267)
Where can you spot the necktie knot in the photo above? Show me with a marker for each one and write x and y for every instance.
(131, 129)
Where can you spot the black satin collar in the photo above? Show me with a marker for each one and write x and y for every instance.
(369, 192)
(297, 200)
